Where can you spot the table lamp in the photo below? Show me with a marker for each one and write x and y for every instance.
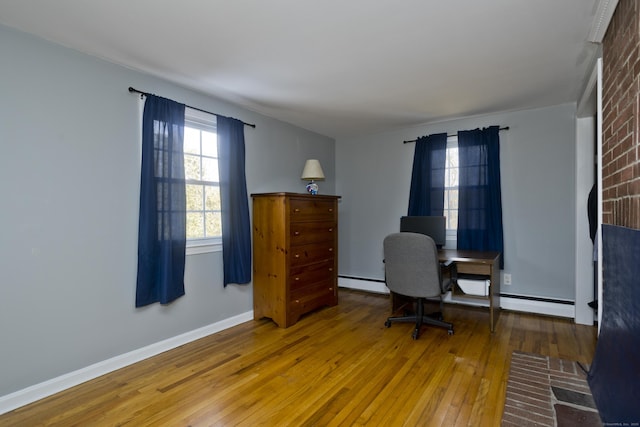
(312, 171)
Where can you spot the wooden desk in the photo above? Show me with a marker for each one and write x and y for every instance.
(486, 264)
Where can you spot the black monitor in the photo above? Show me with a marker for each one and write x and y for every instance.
(433, 226)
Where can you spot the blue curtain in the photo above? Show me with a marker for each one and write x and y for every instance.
(426, 195)
(613, 377)
(479, 196)
(236, 229)
(162, 223)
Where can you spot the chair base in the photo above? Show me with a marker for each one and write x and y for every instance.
(420, 319)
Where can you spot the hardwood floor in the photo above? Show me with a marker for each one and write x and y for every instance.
(337, 366)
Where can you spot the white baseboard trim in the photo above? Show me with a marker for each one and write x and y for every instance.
(525, 304)
(538, 307)
(39, 391)
(369, 285)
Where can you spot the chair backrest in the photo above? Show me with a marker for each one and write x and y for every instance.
(411, 265)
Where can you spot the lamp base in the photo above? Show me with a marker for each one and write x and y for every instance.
(312, 188)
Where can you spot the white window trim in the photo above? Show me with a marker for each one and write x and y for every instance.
(200, 119)
(203, 246)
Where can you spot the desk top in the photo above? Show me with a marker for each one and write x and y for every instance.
(480, 257)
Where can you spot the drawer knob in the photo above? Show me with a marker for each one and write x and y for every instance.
(296, 210)
(296, 233)
(330, 209)
(331, 229)
(297, 255)
(330, 249)
(330, 269)
(297, 279)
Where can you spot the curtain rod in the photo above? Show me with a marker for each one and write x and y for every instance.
(414, 140)
(193, 108)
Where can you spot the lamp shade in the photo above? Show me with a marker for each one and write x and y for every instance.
(312, 170)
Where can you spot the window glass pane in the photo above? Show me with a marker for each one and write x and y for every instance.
(191, 141)
(453, 199)
(201, 167)
(209, 144)
(195, 225)
(212, 198)
(194, 197)
(214, 224)
(452, 157)
(451, 177)
(451, 184)
(209, 169)
(452, 220)
(192, 167)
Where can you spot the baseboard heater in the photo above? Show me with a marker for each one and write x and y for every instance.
(363, 284)
(524, 303)
(541, 299)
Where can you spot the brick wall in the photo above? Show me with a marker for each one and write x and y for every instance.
(621, 117)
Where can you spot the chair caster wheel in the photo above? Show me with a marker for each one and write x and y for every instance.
(387, 324)
(450, 332)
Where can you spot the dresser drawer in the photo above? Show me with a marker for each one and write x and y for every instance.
(312, 301)
(471, 268)
(306, 275)
(312, 210)
(319, 293)
(312, 232)
(314, 252)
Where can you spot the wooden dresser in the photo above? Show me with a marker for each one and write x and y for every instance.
(295, 255)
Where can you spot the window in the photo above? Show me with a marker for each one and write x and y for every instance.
(204, 223)
(451, 186)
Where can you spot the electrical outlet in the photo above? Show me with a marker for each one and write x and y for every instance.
(507, 278)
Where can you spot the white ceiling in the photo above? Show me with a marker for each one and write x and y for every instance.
(338, 67)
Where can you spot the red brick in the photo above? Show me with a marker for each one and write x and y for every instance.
(533, 404)
(509, 420)
(621, 124)
(517, 392)
(526, 413)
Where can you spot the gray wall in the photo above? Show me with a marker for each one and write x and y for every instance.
(538, 173)
(69, 180)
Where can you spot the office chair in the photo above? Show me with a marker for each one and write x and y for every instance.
(412, 269)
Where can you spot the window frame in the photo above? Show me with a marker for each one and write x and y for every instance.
(196, 119)
(452, 143)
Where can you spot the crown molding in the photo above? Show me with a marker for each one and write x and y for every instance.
(601, 20)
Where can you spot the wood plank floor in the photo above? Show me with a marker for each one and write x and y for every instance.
(336, 367)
